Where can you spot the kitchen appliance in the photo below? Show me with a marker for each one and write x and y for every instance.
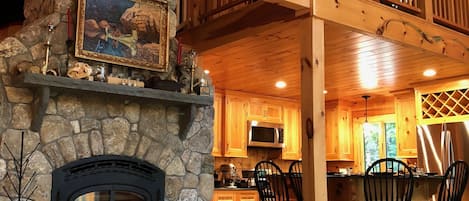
(439, 145)
(228, 175)
(264, 134)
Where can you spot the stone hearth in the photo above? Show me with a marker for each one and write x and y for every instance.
(79, 125)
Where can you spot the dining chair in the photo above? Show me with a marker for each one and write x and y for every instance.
(388, 179)
(295, 173)
(270, 181)
(454, 182)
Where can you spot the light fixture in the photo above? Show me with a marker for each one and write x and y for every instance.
(280, 84)
(324, 91)
(366, 97)
(206, 72)
(429, 73)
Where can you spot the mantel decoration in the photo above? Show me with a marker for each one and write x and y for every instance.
(124, 32)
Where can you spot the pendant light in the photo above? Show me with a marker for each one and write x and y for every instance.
(366, 126)
(366, 107)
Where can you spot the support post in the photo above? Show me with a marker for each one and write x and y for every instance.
(312, 110)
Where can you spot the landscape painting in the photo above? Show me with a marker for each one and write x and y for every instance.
(124, 32)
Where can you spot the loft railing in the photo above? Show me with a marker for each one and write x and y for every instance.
(452, 13)
(195, 12)
(411, 6)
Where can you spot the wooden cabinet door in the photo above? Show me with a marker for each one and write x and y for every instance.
(236, 126)
(292, 132)
(332, 140)
(224, 196)
(339, 138)
(265, 110)
(217, 125)
(406, 124)
(247, 196)
(273, 112)
(345, 134)
(256, 110)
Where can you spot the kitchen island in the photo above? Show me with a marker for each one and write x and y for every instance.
(350, 187)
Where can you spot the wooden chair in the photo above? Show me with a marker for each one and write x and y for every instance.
(454, 182)
(388, 179)
(270, 181)
(295, 172)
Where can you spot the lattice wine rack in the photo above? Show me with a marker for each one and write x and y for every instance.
(443, 106)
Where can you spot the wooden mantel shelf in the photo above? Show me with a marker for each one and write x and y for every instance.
(44, 83)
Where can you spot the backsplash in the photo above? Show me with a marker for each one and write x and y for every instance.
(254, 156)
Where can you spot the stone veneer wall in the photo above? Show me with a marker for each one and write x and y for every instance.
(77, 126)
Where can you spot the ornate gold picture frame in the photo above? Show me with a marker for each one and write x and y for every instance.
(124, 32)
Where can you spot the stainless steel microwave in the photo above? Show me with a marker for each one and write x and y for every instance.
(263, 134)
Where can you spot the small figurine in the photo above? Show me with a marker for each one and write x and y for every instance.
(79, 70)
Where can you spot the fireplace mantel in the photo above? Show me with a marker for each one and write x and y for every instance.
(43, 84)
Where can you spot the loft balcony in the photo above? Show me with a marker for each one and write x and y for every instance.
(210, 19)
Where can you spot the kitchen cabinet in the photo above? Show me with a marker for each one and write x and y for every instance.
(217, 124)
(224, 195)
(292, 131)
(339, 139)
(235, 195)
(235, 142)
(265, 110)
(406, 123)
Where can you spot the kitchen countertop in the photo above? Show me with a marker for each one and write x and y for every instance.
(362, 175)
(234, 189)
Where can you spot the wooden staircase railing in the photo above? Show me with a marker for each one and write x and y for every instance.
(452, 13)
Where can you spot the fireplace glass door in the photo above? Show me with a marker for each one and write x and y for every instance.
(110, 196)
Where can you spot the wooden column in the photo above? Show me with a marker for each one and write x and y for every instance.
(312, 110)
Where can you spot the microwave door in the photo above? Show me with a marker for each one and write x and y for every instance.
(264, 137)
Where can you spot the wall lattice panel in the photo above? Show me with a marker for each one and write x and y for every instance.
(443, 106)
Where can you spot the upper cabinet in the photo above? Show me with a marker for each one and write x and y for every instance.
(406, 124)
(339, 139)
(265, 110)
(231, 113)
(218, 124)
(292, 131)
(236, 135)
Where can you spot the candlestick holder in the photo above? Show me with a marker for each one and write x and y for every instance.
(47, 45)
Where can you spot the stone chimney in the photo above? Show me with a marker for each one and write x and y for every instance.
(81, 124)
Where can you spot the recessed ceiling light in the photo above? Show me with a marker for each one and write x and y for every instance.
(325, 91)
(429, 73)
(206, 72)
(280, 84)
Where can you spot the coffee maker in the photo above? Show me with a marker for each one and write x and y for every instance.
(228, 175)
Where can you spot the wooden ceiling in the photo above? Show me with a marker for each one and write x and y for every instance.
(254, 63)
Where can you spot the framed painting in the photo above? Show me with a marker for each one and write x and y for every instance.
(124, 32)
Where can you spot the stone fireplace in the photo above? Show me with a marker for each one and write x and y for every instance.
(86, 124)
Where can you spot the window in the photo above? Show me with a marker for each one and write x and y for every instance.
(379, 138)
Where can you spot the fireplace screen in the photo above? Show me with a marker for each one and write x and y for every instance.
(108, 178)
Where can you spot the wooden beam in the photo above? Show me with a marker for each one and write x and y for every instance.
(383, 21)
(236, 25)
(292, 4)
(312, 110)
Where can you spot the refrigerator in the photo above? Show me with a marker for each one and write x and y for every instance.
(441, 144)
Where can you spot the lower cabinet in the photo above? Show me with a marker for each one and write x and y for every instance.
(235, 195)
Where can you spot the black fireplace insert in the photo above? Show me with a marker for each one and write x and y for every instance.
(108, 178)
